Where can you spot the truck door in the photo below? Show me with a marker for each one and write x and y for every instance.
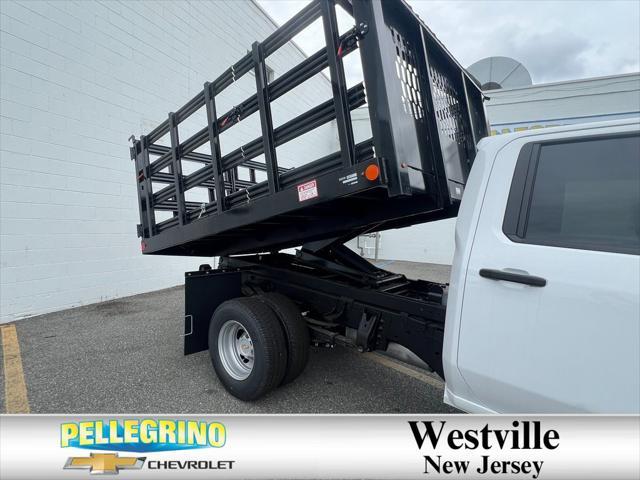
(550, 319)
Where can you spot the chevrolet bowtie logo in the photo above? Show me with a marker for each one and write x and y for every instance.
(105, 463)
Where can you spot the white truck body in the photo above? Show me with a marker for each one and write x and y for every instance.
(561, 204)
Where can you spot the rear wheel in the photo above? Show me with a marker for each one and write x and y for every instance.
(247, 347)
(296, 333)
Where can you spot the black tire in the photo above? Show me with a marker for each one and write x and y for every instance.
(268, 342)
(296, 333)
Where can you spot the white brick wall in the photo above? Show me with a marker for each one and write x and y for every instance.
(76, 79)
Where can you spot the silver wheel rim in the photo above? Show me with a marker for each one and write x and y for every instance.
(235, 349)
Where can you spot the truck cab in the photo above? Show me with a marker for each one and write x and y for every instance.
(543, 311)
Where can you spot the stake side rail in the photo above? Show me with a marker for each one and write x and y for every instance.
(426, 116)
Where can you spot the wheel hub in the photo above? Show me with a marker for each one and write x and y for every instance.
(235, 348)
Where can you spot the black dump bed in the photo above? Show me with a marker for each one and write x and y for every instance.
(426, 118)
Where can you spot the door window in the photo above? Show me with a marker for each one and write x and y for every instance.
(582, 193)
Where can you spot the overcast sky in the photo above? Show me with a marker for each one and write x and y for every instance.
(555, 40)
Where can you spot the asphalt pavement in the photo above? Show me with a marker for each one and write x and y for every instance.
(126, 356)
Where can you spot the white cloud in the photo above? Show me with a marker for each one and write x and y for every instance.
(555, 40)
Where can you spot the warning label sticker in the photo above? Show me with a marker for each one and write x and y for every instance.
(307, 191)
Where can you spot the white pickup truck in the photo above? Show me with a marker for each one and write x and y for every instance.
(543, 311)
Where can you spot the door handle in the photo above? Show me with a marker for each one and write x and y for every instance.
(513, 277)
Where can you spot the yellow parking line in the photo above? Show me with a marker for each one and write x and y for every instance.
(399, 367)
(15, 388)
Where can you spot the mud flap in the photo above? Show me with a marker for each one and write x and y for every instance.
(203, 292)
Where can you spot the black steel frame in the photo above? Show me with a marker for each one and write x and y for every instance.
(426, 118)
(337, 289)
(423, 145)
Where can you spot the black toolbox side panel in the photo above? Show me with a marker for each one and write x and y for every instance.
(203, 292)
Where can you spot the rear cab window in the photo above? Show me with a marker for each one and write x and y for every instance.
(579, 193)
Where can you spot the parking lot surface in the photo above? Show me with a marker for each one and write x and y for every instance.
(126, 355)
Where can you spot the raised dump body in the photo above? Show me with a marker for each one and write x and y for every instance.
(426, 118)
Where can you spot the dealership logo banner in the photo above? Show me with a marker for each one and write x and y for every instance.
(320, 446)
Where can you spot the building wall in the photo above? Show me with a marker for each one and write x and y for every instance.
(76, 80)
(508, 110)
(564, 103)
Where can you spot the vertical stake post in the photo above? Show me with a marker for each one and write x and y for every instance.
(338, 83)
(148, 186)
(177, 168)
(214, 142)
(266, 121)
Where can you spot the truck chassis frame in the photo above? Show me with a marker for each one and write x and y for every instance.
(346, 299)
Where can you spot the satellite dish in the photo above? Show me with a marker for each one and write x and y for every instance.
(500, 72)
